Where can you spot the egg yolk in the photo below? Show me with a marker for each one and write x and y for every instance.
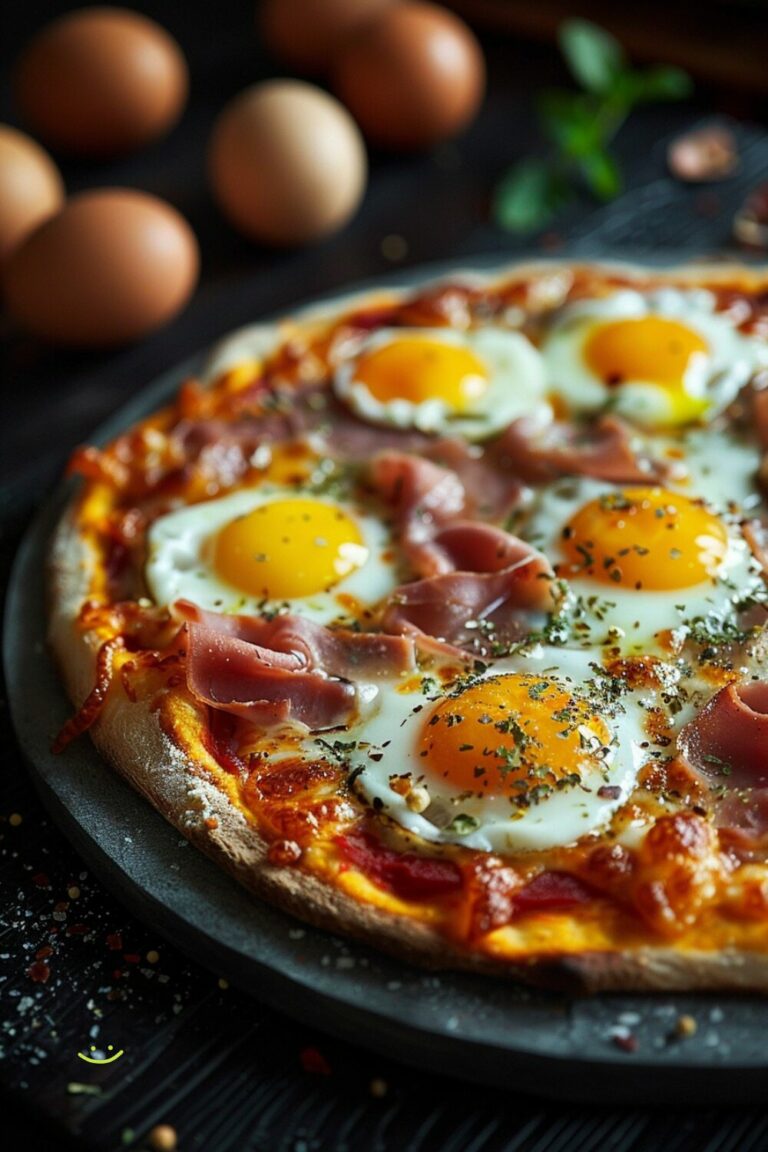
(644, 538)
(418, 369)
(289, 548)
(518, 735)
(644, 348)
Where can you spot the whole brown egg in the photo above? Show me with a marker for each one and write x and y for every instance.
(101, 81)
(31, 188)
(287, 163)
(412, 76)
(110, 267)
(306, 34)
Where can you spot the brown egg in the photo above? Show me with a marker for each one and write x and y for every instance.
(306, 34)
(31, 188)
(101, 81)
(110, 267)
(287, 163)
(412, 76)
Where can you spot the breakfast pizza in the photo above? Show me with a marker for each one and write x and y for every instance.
(438, 617)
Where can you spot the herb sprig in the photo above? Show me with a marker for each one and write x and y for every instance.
(579, 127)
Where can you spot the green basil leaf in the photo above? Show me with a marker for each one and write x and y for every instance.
(568, 119)
(594, 56)
(601, 174)
(664, 83)
(528, 196)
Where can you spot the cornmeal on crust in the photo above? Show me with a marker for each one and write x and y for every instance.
(474, 716)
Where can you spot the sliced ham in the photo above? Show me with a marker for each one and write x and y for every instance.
(424, 497)
(728, 741)
(745, 814)
(727, 744)
(263, 686)
(491, 492)
(224, 448)
(479, 584)
(337, 652)
(538, 451)
(285, 669)
(474, 611)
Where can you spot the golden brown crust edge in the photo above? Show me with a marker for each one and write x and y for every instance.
(131, 739)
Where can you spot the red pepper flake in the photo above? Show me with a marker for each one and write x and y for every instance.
(41, 880)
(314, 1062)
(131, 957)
(628, 1043)
(115, 941)
(39, 972)
(44, 953)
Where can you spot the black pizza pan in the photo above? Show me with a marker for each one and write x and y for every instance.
(602, 1049)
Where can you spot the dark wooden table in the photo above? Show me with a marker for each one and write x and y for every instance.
(229, 1073)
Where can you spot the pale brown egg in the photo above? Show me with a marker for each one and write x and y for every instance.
(111, 266)
(306, 34)
(101, 81)
(287, 163)
(31, 187)
(412, 76)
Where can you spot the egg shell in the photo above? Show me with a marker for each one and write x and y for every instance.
(31, 187)
(101, 81)
(287, 163)
(411, 77)
(111, 266)
(306, 34)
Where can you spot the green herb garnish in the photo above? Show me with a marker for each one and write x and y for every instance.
(579, 127)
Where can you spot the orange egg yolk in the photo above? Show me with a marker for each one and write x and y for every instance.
(289, 548)
(518, 735)
(417, 369)
(644, 538)
(650, 349)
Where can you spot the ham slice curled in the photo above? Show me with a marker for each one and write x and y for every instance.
(288, 669)
(728, 741)
(538, 451)
(479, 584)
(727, 744)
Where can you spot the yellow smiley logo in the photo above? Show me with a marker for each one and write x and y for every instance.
(101, 1059)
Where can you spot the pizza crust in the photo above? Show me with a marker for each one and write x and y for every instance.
(130, 738)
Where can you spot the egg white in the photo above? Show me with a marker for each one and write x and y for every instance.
(385, 745)
(630, 619)
(179, 566)
(715, 377)
(516, 384)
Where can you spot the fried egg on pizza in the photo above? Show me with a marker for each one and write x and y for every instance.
(439, 619)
